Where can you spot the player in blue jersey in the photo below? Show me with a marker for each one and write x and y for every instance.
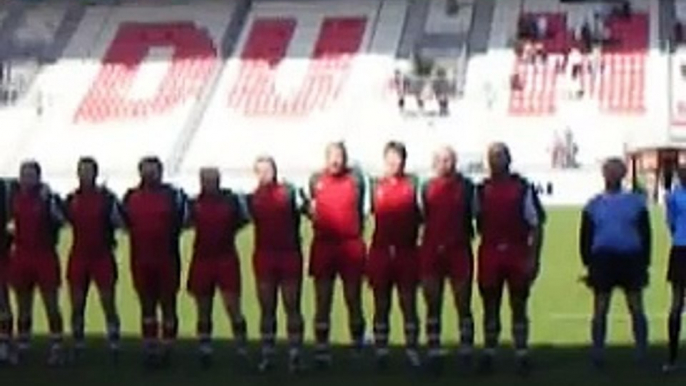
(676, 275)
(615, 247)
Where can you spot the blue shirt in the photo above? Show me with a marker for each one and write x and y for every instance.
(615, 220)
(676, 215)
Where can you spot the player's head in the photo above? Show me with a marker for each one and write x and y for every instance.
(210, 180)
(445, 161)
(87, 170)
(395, 157)
(499, 158)
(30, 174)
(614, 171)
(265, 170)
(681, 174)
(336, 158)
(150, 170)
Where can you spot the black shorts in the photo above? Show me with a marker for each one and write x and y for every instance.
(676, 273)
(611, 270)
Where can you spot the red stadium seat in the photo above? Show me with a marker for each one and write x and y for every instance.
(255, 94)
(193, 60)
(621, 88)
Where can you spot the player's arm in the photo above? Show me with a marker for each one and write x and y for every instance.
(181, 206)
(645, 233)
(125, 215)
(476, 207)
(56, 207)
(470, 210)
(309, 196)
(116, 215)
(670, 207)
(533, 220)
(586, 232)
(242, 210)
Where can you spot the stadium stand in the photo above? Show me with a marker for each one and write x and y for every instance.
(213, 82)
(127, 83)
(298, 72)
(613, 72)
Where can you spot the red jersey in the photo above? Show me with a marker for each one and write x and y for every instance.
(37, 218)
(216, 219)
(275, 211)
(154, 217)
(448, 215)
(507, 209)
(339, 205)
(94, 216)
(396, 211)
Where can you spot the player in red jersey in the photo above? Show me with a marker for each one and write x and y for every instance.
(38, 216)
(94, 214)
(446, 252)
(154, 213)
(275, 208)
(337, 209)
(509, 219)
(216, 216)
(6, 316)
(393, 260)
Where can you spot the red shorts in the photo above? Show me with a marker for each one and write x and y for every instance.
(208, 274)
(503, 263)
(277, 266)
(35, 269)
(452, 262)
(101, 270)
(156, 278)
(345, 258)
(390, 266)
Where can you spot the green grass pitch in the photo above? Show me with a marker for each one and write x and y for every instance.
(560, 311)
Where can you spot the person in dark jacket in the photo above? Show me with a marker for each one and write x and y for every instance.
(615, 247)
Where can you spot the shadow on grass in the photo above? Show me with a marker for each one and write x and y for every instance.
(559, 365)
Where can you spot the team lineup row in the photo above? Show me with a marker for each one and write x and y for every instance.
(504, 210)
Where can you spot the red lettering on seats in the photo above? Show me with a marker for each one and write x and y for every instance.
(254, 92)
(193, 60)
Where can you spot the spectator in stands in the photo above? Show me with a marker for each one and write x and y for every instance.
(586, 37)
(678, 32)
(571, 149)
(625, 9)
(452, 7)
(541, 27)
(401, 82)
(441, 90)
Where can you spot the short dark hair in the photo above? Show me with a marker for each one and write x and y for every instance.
(32, 164)
(90, 161)
(268, 160)
(396, 147)
(340, 145)
(150, 160)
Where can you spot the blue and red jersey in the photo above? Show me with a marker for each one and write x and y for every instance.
(397, 217)
(447, 203)
(38, 217)
(507, 209)
(94, 215)
(216, 218)
(275, 210)
(340, 203)
(154, 217)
